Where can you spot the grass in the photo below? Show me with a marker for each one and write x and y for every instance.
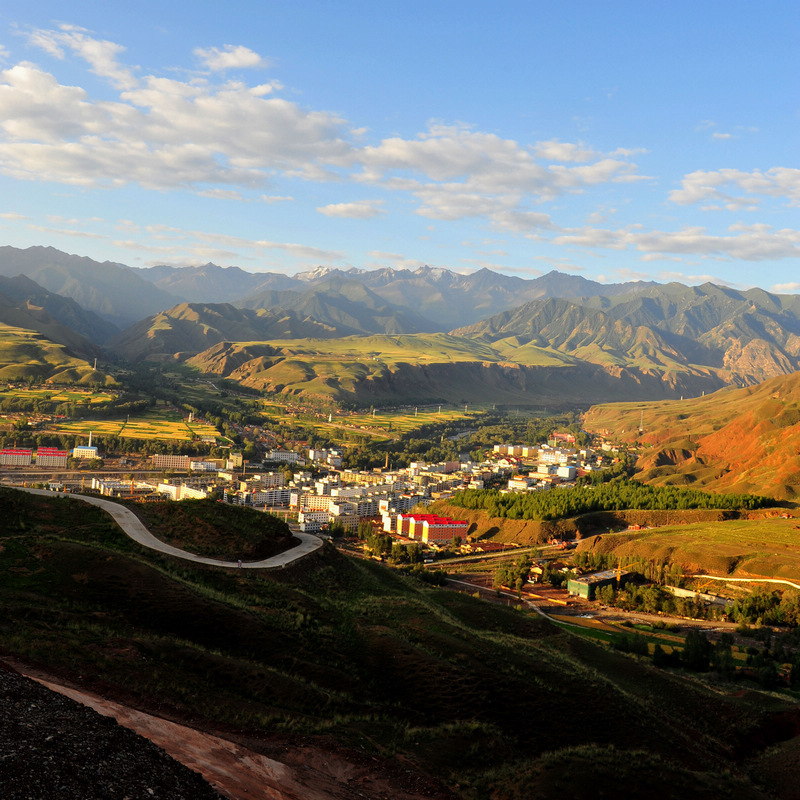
(194, 525)
(346, 653)
(756, 548)
(26, 354)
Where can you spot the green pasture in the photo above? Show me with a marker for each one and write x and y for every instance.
(383, 424)
(754, 548)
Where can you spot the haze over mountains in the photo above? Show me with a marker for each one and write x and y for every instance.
(511, 340)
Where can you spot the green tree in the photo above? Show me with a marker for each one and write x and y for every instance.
(696, 651)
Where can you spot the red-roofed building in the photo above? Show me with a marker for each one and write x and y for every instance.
(15, 457)
(51, 457)
(430, 528)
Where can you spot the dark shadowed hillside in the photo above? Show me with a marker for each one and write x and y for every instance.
(440, 693)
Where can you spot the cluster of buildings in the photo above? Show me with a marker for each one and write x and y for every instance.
(540, 467)
(151, 491)
(51, 457)
(25, 457)
(346, 497)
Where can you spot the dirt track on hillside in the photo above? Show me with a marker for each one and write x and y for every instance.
(306, 771)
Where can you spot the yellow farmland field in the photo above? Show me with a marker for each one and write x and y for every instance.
(168, 426)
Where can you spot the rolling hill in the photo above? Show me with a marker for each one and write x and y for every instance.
(435, 367)
(64, 310)
(735, 440)
(27, 355)
(30, 318)
(374, 681)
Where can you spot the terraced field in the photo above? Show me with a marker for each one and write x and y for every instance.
(166, 425)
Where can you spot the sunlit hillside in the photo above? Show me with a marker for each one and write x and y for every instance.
(742, 440)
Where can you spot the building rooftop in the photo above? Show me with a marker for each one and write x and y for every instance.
(606, 574)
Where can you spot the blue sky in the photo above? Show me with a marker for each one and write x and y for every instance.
(616, 140)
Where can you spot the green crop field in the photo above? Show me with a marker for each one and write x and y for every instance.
(756, 548)
(381, 425)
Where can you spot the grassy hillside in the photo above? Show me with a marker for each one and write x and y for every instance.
(741, 440)
(420, 368)
(28, 355)
(453, 696)
(746, 548)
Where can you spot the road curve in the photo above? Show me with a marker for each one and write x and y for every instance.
(133, 527)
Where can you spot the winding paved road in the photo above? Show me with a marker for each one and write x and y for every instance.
(133, 527)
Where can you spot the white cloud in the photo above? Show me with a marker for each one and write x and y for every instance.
(161, 133)
(13, 216)
(395, 259)
(230, 57)
(522, 221)
(464, 173)
(275, 198)
(183, 246)
(221, 194)
(67, 232)
(701, 186)
(753, 243)
(682, 277)
(719, 135)
(786, 288)
(564, 151)
(101, 55)
(361, 209)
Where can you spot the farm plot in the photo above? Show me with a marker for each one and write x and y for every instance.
(168, 426)
(389, 424)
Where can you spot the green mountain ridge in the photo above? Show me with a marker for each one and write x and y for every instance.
(388, 370)
(347, 304)
(741, 338)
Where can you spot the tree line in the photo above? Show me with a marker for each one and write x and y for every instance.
(618, 495)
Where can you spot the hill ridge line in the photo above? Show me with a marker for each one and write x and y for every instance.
(133, 527)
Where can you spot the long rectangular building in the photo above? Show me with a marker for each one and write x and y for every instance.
(51, 457)
(15, 457)
(431, 528)
(170, 462)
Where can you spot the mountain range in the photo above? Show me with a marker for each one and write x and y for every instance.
(375, 336)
